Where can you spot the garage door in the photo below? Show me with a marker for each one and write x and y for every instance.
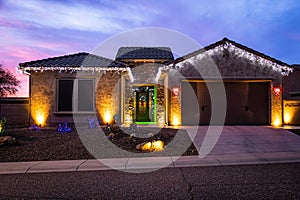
(247, 103)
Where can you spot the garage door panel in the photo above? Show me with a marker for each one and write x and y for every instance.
(204, 104)
(247, 103)
(189, 104)
(236, 103)
(259, 102)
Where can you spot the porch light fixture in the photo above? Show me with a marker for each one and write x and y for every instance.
(175, 91)
(277, 91)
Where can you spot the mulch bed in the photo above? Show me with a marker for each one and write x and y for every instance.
(49, 144)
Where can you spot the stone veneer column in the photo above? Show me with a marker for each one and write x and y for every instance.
(42, 97)
(276, 107)
(160, 103)
(108, 97)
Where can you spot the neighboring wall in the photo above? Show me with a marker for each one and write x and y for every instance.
(291, 112)
(291, 84)
(291, 96)
(15, 110)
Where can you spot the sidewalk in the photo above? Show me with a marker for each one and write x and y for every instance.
(236, 145)
(136, 164)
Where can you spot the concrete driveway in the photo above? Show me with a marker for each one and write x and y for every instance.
(247, 143)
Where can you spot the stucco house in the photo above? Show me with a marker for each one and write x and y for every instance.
(147, 85)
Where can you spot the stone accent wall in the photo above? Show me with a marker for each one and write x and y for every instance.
(174, 110)
(144, 74)
(276, 108)
(160, 104)
(42, 97)
(128, 101)
(15, 110)
(108, 97)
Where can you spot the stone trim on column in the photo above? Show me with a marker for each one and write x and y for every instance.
(276, 106)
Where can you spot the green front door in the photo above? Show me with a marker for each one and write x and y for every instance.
(145, 101)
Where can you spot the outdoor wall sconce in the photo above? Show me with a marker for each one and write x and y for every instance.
(175, 91)
(277, 91)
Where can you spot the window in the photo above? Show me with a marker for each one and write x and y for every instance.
(85, 95)
(65, 94)
(75, 95)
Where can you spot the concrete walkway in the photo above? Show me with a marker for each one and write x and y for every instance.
(236, 145)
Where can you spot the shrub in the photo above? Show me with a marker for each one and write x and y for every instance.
(2, 125)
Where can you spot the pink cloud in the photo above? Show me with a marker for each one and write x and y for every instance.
(12, 56)
(11, 23)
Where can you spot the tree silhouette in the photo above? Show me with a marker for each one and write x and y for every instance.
(9, 84)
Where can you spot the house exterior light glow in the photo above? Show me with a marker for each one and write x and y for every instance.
(277, 91)
(291, 111)
(277, 122)
(175, 91)
(40, 119)
(287, 117)
(139, 86)
(157, 145)
(175, 121)
(108, 117)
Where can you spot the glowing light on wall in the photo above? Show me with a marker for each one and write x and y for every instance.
(277, 122)
(176, 121)
(287, 117)
(291, 112)
(39, 117)
(107, 117)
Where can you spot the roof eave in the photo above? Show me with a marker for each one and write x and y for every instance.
(238, 45)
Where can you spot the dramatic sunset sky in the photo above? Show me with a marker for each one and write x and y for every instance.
(31, 30)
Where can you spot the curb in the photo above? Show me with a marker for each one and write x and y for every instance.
(136, 165)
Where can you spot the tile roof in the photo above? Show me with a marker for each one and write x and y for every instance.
(163, 53)
(74, 60)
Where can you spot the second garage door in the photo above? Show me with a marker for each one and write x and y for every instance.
(247, 102)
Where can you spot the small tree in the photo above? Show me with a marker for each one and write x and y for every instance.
(9, 84)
